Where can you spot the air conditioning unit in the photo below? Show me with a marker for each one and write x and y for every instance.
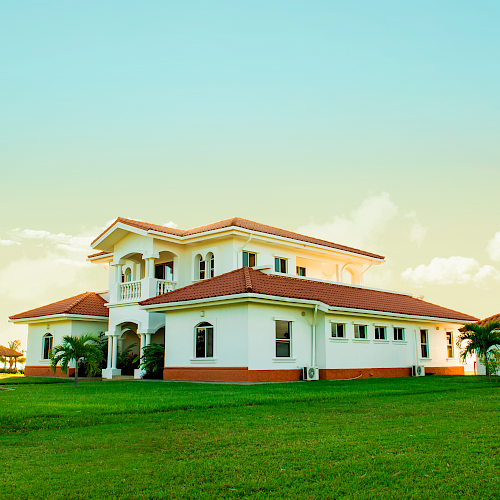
(418, 370)
(310, 373)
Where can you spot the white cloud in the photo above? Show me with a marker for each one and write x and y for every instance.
(59, 240)
(171, 224)
(453, 270)
(361, 227)
(493, 247)
(9, 243)
(417, 231)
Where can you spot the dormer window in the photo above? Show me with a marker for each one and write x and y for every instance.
(280, 265)
(249, 259)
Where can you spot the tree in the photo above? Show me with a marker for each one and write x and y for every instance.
(479, 339)
(15, 345)
(153, 359)
(83, 348)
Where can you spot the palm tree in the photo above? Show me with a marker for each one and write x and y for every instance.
(75, 349)
(479, 339)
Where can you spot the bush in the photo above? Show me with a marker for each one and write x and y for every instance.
(153, 361)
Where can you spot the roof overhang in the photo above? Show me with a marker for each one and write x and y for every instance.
(256, 297)
(58, 317)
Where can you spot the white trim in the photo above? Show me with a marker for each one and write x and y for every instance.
(59, 317)
(203, 360)
(341, 340)
(401, 342)
(361, 340)
(381, 341)
(277, 318)
(284, 360)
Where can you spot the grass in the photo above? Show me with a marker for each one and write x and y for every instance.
(425, 438)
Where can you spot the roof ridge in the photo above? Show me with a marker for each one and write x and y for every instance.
(248, 280)
(80, 298)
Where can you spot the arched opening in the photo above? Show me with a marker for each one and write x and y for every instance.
(127, 275)
(199, 268)
(210, 265)
(47, 342)
(204, 340)
(347, 277)
(128, 349)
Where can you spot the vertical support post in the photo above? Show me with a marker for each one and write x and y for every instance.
(148, 338)
(151, 268)
(143, 344)
(110, 351)
(115, 351)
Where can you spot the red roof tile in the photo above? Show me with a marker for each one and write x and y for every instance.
(241, 223)
(247, 280)
(86, 304)
(98, 254)
(485, 321)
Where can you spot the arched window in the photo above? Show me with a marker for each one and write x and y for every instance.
(199, 268)
(127, 275)
(47, 345)
(204, 338)
(210, 265)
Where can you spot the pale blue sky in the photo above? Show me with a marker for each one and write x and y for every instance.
(284, 112)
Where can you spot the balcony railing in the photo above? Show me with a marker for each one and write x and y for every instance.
(164, 286)
(130, 291)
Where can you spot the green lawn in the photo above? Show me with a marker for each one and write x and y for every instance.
(432, 437)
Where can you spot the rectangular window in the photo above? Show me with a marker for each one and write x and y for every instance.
(399, 333)
(360, 332)
(424, 343)
(202, 269)
(280, 265)
(47, 346)
(301, 271)
(380, 333)
(283, 339)
(249, 259)
(205, 342)
(338, 330)
(449, 343)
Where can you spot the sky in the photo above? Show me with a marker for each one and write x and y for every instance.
(371, 124)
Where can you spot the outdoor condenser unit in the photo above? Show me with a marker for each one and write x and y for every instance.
(310, 373)
(418, 371)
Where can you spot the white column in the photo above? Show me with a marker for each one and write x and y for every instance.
(115, 351)
(143, 344)
(148, 338)
(151, 268)
(110, 350)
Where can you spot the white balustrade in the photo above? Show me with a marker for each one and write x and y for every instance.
(164, 286)
(130, 291)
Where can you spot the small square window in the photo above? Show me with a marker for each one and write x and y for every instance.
(338, 330)
(249, 259)
(399, 333)
(280, 265)
(360, 332)
(380, 333)
(301, 271)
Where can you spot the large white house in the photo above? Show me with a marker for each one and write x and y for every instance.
(242, 301)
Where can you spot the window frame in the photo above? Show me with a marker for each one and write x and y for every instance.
(278, 261)
(205, 325)
(47, 336)
(284, 340)
(377, 332)
(357, 332)
(337, 336)
(424, 344)
(247, 255)
(299, 269)
(449, 344)
(403, 337)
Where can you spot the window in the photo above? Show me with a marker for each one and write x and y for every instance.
(449, 343)
(424, 343)
(360, 332)
(249, 259)
(47, 346)
(202, 269)
(283, 339)
(399, 333)
(380, 333)
(280, 265)
(301, 271)
(127, 275)
(204, 340)
(338, 330)
(164, 271)
(210, 259)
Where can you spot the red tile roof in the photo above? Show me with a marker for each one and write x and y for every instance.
(485, 321)
(241, 223)
(86, 304)
(247, 280)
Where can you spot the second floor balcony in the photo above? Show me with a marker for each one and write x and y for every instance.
(134, 291)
